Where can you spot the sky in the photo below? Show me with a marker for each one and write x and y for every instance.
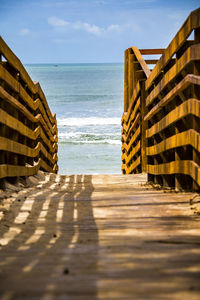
(88, 31)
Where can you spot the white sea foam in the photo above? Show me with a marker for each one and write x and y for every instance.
(78, 134)
(106, 141)
(88, 121)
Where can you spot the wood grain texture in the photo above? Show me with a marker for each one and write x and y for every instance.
(28, 140)
(133, 117)
(105, 237)
(191, 106)
(191, 54)
(169, 113)
(189, 79)
(192, 22)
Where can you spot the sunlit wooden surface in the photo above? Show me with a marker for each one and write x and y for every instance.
(28, 129)
(160, 123)
(99, 237)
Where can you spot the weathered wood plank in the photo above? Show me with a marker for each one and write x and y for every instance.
(192, 53)
(134, 165)
(126, 134)
(151, 51)
(192, 22)
(189, 79)
(191, 106)
(131, 154)
(132, 115)
(151, 61)
(14, 171)
(132, 140)
(18, 148)
(186, 167)
(189, 137)
(17, 125)
(142, 62)
(135, 95)
(5, 75)
(16, 63)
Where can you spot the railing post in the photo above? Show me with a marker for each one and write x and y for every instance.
(143, 126)
(126, 93)
(130, 75)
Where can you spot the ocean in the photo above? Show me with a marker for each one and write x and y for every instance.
(88, 102)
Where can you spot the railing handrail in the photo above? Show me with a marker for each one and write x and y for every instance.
(162, 132)
(191, 23)
(28, 129)
(18, 66)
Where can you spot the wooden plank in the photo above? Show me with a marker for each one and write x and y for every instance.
(18, 148)
(26, 90)
(192, 22)
(126, 134)
(133, 115)
(189, 137)
(16, 63)
(8, 78)
(39, 118)
(129, 170)
(186, 167)
(151, 51)
(14, 102)
(11, 81)
(132, 140)
(182, 85)
(135, 95)
(131, 155)
(192, 53)
(151, 61)
(143, 126)
(142, 62)
(126, 101)
(17, 125)
(130, 75)
(39, 90)
(133, 242)
(191, 106)
(14, 171)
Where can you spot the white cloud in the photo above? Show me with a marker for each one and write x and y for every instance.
(90, 28)
(24, 31)
(113, 28)
(54, 21)
(96, 30)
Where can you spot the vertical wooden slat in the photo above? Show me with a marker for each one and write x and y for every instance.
(143, 127)
(126, 93)
(130, 75)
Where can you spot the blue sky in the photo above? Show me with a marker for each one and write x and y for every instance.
(75, 31)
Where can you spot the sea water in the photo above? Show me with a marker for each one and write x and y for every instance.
(88, 102)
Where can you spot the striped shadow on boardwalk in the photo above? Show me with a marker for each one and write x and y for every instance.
(99, 237)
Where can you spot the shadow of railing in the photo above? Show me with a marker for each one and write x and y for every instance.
(49, 246)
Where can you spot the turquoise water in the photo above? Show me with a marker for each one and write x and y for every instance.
(88, 102)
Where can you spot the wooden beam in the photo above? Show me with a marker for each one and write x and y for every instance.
(151, 61)
(152, 51)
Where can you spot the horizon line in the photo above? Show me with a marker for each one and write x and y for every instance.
(70, 63)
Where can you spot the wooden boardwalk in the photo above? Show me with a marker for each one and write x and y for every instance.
(99, 237)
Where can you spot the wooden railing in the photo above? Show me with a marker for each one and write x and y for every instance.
(172, 111)
(136, 71)
(28, 129)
